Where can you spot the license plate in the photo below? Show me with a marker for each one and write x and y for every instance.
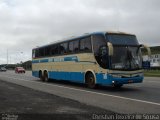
(130, 81)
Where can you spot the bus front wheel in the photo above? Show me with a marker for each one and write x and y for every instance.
(117, 86)
(90, 80)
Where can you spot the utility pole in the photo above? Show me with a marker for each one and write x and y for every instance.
(7, 57)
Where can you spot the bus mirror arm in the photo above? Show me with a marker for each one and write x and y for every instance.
(110, 49)
(146, 64)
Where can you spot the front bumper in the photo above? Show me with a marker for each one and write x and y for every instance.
(108, 79)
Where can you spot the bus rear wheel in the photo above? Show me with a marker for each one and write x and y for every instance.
(46, 79)
(41, 76)
(90, 80)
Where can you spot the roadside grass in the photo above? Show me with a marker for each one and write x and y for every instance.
(152, 73)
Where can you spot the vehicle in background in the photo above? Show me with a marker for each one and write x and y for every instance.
(3, 69)
(101, 58)
(19, 70)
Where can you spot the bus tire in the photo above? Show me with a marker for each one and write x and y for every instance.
(118, 86)
(90, 80)
(41, 76)
(46, 79)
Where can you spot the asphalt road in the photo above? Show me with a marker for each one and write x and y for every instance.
(132, 98)
(21, 103)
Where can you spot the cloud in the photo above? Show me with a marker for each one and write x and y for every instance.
(27, 24)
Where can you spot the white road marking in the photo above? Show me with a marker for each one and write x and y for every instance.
(153, 81)
(92, 92)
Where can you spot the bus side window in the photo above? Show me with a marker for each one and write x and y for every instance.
(48, 51)
(41, 52)
(33, 53)
(85, 45)
(74, 46)
(63, 48)
(98, 41)
(55, 50)
(70, 47)
(36, 53)
(100, 50)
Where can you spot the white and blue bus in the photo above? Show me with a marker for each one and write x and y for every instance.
(101, 58)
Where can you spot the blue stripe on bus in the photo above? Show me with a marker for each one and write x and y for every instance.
(79, 78)
(71, 76)
(72, 58)
(44, 60)
(35, 73)
(35, 61)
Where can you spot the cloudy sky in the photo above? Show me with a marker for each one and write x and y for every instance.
(25, 24)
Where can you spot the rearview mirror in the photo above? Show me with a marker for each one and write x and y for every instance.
(110, 49)
(147, 48)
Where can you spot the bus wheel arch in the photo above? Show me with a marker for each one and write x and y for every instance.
(90, 79)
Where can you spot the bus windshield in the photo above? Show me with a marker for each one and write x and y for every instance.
(126, 58)
(122, 39)
(127, 54)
